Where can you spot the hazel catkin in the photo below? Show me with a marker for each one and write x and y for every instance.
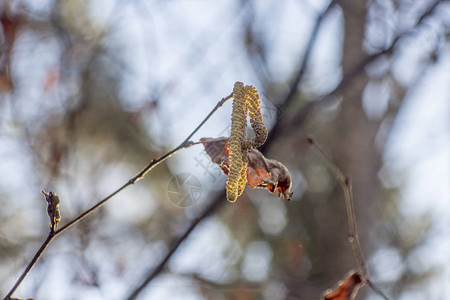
(246, 100)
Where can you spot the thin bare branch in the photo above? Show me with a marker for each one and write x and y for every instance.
(35, 259)
(217, 201)
(344, 181)
(346, 185)
(210, 209)
(185, 144)
(300, 73)
(304, 62)
(347, 79)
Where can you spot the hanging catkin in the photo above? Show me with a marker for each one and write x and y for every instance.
(246, 100)
(256, 119)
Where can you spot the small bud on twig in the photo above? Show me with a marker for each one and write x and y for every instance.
(52, 209)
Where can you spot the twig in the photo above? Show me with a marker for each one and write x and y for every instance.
(371, 58)
(218, 201)
(348, 78)
(36, 257)
(346, 81)
(301, 71)
(300, 117)
(185, 144)
(346, 185)
(303, 63)
(215, 204)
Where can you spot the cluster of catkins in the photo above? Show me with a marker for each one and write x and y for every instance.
(246, 102)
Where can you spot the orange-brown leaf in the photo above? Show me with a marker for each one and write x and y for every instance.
(346, 289)
(261, 172)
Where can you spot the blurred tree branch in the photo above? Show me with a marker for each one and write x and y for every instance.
(353, 236)
(346, 81)
(218, 200)
(53, 234)
(280, 127)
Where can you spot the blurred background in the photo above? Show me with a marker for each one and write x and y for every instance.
(91, 91)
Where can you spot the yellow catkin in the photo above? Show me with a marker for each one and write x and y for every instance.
(243, 174)
(246, 100)
(256, 119)
(238, 130)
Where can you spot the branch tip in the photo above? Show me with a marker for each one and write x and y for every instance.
(347, 181)
(53, 199)
(310, 139)
(52, 209)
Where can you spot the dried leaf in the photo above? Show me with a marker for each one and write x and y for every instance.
(261, 172)
(346, 289)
